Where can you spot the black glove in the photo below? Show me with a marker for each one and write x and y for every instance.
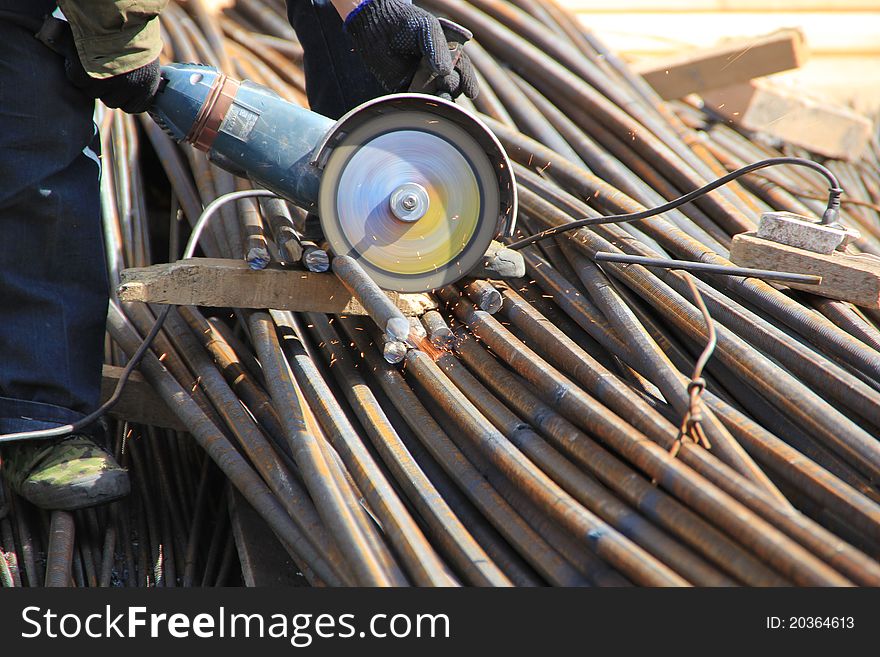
(393, 36)
(132, 92)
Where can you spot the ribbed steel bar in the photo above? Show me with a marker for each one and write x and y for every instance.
(333, 501)
(631, 174)
(400, 529)
(377, 304)
(819, 331)
(595, 534)
(773, 452)
(436, 441)
(315, 552)
(846, 502)
(660, 370)
(445, 529)
(756, 439)
(583, 488)
(206, 433)
(425, 565)
(629, 485)
(230, 362)
(794, 397)
(788, 557)
(558, 81)
(60, 550)
(494, 443)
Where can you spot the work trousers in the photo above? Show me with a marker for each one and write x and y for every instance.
(53, 285)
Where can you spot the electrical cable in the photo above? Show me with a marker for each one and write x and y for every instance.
(829, 217)
(55, 432)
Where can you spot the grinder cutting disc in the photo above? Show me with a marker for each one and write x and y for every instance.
(413, 197)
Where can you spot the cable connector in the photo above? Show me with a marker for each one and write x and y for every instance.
(831, 216)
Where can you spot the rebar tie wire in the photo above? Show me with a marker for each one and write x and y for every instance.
(691, 427)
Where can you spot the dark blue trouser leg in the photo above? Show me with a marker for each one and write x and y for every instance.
(53, 284)
(336, 78)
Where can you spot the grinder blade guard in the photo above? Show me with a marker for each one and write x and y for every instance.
(414, 188)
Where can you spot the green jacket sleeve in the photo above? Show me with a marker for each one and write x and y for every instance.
(114, 36)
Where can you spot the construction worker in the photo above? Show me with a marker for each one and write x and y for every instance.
(53, 283)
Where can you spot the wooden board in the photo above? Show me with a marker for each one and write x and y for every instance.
(139, 403)
(231, 283)
(732, 62)
(854, 278)
(812, 123)
(843, 37)
(657, 32)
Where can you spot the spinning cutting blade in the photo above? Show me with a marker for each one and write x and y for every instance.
(413, 197)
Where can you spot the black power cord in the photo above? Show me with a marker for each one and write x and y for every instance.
(829, 217)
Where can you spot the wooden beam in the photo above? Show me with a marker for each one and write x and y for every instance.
(854, 278)
(221, 283)
(139, 403)
(732, 62)
(812, 123)
(656, 32)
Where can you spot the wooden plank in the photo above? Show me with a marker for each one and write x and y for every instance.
(854, 278)
(850, 80)
(221, 283)
(813, 123)
(732, 62)
(139, 403)
(657, 33)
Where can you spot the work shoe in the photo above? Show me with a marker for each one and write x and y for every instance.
(67, 474)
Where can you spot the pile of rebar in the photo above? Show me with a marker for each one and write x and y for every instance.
(550, 430)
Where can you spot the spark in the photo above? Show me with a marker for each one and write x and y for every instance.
(732, 60)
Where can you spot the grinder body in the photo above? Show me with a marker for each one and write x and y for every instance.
(245, 128)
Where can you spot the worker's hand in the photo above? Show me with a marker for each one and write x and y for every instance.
(393, 37)
(132, 92)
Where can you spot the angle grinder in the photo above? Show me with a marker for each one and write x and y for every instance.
(410, 185)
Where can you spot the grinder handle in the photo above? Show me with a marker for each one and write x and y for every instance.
(425, 80)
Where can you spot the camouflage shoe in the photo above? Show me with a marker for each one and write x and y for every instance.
(69, 474)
